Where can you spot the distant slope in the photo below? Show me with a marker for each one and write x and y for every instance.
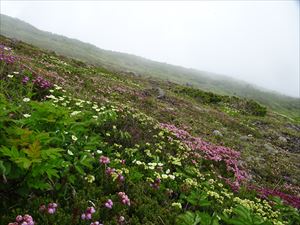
(15, 28)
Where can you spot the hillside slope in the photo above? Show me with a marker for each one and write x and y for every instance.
(116, 61)
(83, 145)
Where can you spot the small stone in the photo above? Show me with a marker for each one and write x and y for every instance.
(270, 148)
(244, 138)
(217, 133)
(282, 139)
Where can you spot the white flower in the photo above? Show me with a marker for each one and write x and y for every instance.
(57, 87)
(75, 113)
(26, 115)
(74, 138)
(90, 178)
(95, 117)
(10, 76)
(70, 152)
(26, 99)
(51, 91)
(51, 96)
(177, 204)
(172, 177)
(16, 72)
(164, 176)
(99, 151)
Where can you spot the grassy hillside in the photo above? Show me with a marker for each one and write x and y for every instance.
(80, 144)
(116, 61)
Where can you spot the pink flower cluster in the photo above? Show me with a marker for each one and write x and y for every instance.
(109, 204)
(211, 152)
(5, 55)
(104, 160)
(88, 213)
(287, 198)
(51, 209)
(42, 83)
(124, 198)
(23, 220)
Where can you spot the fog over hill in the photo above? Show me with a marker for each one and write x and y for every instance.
(123, 62)
(254, 41)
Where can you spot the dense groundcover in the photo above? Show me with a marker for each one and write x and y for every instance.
(65, 160)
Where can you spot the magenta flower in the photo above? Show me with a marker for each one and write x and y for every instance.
(109, 171)
(211, 152)
(51, 208)
(104, 160)
(109, 204)
(25, 80)
(19, 218)
(88, 213)
(124, 198)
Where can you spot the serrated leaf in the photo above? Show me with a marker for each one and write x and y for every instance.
(34, 150)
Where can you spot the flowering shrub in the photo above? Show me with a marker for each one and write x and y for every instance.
(211, 152)
(289, 199)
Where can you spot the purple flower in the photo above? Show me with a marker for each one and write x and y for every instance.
(109, 204)
(25, 80)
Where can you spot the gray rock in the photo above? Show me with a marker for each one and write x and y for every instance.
(161, 93)
(217, 133)
(282, 139)
(270, 148)
(246, 138)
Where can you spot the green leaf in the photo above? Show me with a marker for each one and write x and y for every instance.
(51, 153)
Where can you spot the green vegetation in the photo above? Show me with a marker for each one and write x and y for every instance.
(80, 141)
(138, 66)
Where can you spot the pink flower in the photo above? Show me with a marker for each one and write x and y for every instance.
(51, 210)
(121, 178)
(109, 204)
(88, 216)
(104, 160)
(109, 171)
(19, 218)
(124, 198)
(121, 220)
(88, 213)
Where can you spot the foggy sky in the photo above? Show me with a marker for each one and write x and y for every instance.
(254, 41)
